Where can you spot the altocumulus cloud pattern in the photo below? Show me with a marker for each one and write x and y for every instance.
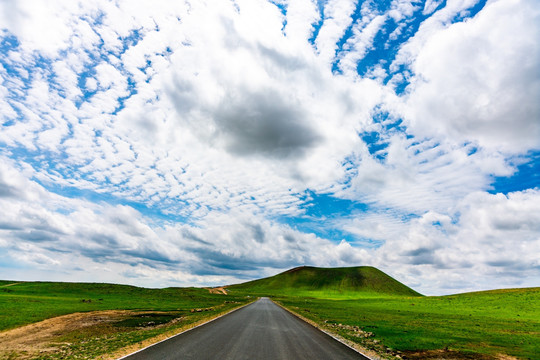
(206, 142)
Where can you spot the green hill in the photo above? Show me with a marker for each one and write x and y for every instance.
(350, 282)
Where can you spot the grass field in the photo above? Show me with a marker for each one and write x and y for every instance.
(476, 325)
(361, 304)
(24, 303)
(370, 308)
(155, 311)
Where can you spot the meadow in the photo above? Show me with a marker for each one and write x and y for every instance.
(476, 326)
(376, 312)
(126, 316)
(362, 305)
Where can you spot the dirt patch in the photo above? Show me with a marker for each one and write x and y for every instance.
(448, 354)
(145, 343)
(10, 284)
(217, 290)
(506, 357)
(42, 337)
(90, 335)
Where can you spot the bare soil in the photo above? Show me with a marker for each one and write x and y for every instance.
(451, 355)
(10, 284)
(27, 341)
(48, 337)
(217, 290)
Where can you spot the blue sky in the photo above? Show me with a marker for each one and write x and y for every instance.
(179, 144)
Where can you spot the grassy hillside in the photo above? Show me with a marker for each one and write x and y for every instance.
(338, 283)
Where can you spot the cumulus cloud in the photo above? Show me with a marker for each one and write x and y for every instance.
(478, 82)
(73, 230)
(177, 143)
(488, 241)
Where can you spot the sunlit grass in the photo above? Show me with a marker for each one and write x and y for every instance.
(156, 312)
(488, 323)
(29, 302)
(368, 307)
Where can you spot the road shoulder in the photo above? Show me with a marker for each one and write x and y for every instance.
(359, 349)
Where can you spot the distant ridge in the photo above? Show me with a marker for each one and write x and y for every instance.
(327, 282)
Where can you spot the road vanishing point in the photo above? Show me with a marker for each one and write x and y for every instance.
(261, 330)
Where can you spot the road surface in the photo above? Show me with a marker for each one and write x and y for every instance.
(261, 331)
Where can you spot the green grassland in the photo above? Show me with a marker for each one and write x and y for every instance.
(372, 309)
(360, 304)
(24, 303)
(28, 302)
(486, 324)
(327, 283)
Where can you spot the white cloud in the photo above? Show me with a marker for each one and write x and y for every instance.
(338, 17)
(488, 241)
(46, 231)
(361, 42)
(401, 9)
(413, 176)
(45, 35)
(438, 21)
(236, 85)
(430, 6)
(222, 116)
(479, 82)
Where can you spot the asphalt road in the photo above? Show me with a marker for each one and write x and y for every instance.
(261, 330)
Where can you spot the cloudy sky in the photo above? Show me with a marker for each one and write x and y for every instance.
(175, 143)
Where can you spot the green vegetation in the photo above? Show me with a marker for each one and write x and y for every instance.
(29, 302)
(361, 304)
(491, 323)
(370, 308)
(153, 312)
(327, 283)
